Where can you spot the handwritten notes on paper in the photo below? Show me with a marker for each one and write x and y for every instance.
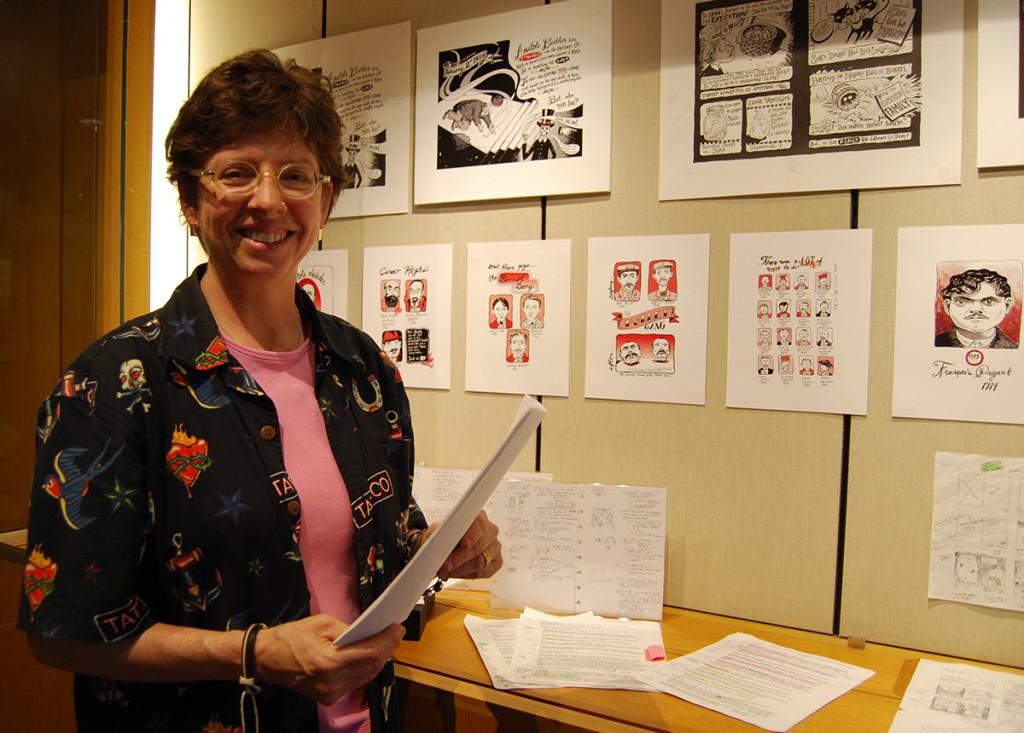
(978, 531)
(960, 698)
(577, 547)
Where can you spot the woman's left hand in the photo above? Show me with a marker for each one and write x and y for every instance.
(478, 554)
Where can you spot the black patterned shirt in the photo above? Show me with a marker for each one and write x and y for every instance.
(160, 495)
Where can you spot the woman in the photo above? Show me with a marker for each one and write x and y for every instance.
(500, 317)
(233, 460)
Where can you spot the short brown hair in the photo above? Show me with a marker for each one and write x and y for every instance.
(254, 93)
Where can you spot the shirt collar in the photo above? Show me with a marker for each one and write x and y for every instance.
(189, 333)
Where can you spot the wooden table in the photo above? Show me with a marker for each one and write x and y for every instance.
(444, 671)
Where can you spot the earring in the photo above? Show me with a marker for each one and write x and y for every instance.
(192, 230)
(320, 236)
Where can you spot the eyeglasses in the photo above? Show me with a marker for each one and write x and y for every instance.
(238, 178)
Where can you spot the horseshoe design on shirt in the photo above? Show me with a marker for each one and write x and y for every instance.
(378, 398)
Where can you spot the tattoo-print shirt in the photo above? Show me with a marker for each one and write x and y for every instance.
(160, 495)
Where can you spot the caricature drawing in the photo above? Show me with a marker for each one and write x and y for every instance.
(661, 349)
(531, 307)
(629, 353)
(352, 167)
(416, 296)
(627, 280)
(390, 301)
(517, 349)
(500, 317)
(977, 301)
(662, 281)
(391, 342)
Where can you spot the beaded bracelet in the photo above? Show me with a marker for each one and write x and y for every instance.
(248, 677)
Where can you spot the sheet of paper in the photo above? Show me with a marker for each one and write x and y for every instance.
(960, 698)
(598, 653)
(407, 308)
(1000, 103)
(882, 96)
(517, 317)
(798, 324)
(954, 360)
(647, 318)
(395, 603)
(977, 553)
(764, 684)
(515, 104)
(579, 547)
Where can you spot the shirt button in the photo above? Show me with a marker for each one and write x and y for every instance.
(268, 432)
(293, 508)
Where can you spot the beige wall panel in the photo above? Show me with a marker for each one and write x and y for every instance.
(223, 28)
(345, 16)
(885, 584)
(753, 495)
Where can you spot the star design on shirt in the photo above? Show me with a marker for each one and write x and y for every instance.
(256, 567)
(120, 496)
(232, 506)
(183, 325)
(91, 571)
(327, 408)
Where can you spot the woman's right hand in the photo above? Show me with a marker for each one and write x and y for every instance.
(301, 655)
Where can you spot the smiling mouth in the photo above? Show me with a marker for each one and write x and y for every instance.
(264, 237)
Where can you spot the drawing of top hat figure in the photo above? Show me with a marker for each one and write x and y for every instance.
(352, 168)
(543, 147)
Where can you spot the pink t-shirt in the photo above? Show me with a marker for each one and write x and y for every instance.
(326, 536)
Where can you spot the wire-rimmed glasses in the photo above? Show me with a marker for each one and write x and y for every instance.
(239, 178)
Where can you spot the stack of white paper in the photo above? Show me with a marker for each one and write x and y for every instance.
(538, 650)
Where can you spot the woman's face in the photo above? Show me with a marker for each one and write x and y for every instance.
(265, 234)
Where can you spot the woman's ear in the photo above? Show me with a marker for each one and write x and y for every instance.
(190, 215)
(327, 202)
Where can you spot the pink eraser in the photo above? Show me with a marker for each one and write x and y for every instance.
(655, 653)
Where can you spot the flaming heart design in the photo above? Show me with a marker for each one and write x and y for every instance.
(38, 582)
(188, 457)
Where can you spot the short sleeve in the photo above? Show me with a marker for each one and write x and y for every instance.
(88, 516)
